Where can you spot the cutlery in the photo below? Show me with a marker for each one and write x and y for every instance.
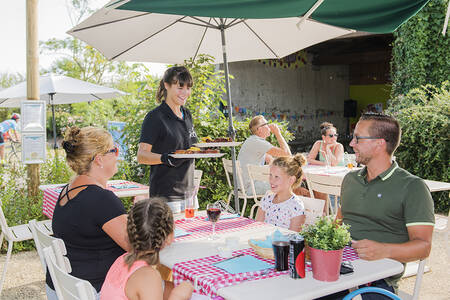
(242, 254)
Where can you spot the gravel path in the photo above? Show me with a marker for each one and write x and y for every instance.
(25, 278)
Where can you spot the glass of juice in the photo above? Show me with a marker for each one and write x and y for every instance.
(189, 204)
(213, 211)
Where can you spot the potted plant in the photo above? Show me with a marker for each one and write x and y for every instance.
(326, 240)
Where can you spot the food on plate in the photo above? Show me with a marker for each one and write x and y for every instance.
(195, 150)
(216, 140)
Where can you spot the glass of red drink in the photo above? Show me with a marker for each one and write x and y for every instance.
(213, 211)
(189, 203)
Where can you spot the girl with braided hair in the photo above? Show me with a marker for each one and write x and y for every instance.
(133, 275)
(281, 206)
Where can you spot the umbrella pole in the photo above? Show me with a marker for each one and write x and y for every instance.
(231, 130)
(53, 121)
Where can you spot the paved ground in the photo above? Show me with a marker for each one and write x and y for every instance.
(25, 279)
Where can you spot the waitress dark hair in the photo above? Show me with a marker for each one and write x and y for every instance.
(174, 75)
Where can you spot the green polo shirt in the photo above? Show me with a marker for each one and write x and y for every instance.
(382, 209)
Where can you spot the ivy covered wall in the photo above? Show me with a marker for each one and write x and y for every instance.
(421, 54)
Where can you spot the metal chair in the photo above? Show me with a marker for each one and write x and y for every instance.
(313, 209)
(197, 178)
(421, 269)
(260, 173)
(67, 287)
(441, 225)
(372, 290)
(324, 184)
(228, 167)
(13, 234)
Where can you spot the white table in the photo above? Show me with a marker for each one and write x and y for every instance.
(340, 172)
(121, 194)
(281, 287)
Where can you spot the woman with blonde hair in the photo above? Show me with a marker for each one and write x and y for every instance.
(133, 275)
(281, 206)
(90, 219)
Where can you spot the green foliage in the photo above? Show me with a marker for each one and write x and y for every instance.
(424, 150)
(326, 234)
(420, 54)
(7, 80)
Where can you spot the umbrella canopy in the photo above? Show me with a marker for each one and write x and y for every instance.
(171, 31)
(63, 89)
(58, 89)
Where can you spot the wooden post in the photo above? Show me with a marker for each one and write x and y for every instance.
(32, 81)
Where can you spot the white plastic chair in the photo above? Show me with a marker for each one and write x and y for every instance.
(13, 234)
(441, 225)
(421, 269)
(197, 179)
(67, 287)
(42, 239)
(260, 173)
(228, 167)
(324, 184)
(313, 209)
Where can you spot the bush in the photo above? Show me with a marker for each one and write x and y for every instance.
(424, 150)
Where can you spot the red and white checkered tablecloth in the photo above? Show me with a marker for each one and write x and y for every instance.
(210, 278)
(198, 226)
(51, 194)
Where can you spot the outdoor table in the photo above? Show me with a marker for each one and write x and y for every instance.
(190, 258)
(340, 172)
(121, 188)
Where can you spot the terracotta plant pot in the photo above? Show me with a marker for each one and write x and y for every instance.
(326, 264)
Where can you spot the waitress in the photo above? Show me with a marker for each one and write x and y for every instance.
(166, 129)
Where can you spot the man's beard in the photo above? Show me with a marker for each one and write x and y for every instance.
(363, 160)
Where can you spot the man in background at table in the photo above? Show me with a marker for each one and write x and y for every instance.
(257, 151)
(390, 211)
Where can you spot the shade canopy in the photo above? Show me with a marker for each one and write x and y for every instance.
(63, 89)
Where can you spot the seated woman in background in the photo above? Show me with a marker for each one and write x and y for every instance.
(280, 206)
(90, 219)
(133, 275)
(327, 149)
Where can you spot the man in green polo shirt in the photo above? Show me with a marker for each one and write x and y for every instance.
(390, 211)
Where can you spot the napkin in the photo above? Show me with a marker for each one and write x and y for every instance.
(124, 186)
(267, 243)
(227, 216)
(180, 232)
(241, 264)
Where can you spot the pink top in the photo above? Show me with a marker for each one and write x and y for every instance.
(117, 277)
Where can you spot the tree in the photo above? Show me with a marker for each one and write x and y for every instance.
(420, 54)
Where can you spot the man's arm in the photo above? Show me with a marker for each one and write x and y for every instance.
(284, 149)
(418, 246)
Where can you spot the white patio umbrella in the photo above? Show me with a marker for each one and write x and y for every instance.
(58, 89)
(171, 31)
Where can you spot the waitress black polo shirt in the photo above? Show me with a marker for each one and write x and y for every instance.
(166, 133)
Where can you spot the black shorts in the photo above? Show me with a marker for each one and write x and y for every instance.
(2, 141)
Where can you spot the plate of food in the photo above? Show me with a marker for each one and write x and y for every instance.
(206, 142)
(195, 152)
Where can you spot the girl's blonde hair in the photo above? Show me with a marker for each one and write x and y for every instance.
(149, 224)
(83, 144)
(292, 165)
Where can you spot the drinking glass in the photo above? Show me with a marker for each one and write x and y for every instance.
(213, 211)
(189, 203)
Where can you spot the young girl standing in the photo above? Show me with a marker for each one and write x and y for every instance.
(133, 275)
(280, 206)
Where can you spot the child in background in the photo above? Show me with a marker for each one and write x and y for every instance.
(280, 206)
(133, 275)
